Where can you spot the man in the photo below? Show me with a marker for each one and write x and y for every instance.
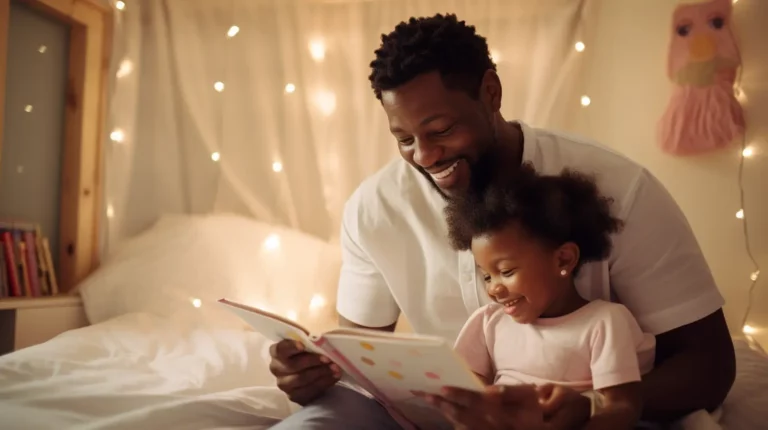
(442, 96)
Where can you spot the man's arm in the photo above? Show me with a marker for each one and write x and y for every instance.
(695, 368)
(620, 409)
(659, 273)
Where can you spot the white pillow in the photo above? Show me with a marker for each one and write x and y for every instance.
(183, 261)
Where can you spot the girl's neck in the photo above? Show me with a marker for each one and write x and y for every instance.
(568, 302)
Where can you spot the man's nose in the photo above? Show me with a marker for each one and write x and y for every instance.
(427, 154)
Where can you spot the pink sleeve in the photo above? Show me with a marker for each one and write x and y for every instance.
(472, 345)
(613, 349)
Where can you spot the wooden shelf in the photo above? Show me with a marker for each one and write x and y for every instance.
(40, 302)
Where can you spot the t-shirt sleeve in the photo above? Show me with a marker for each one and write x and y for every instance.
(363, 295)
(613, 346)
(657, 269)
(472, 345)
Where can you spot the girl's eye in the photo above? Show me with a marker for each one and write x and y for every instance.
(487, 279)
(684, 30)
(717, 22)
(507, 273)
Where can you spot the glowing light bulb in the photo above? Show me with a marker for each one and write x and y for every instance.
(292, 315)
(218, 86)
(754, 275)
(232, 32)
(126, 67)
(42, 49)
(317, 302)
(748, 152)
(290, 88)
(28, 108)
(585, 100)
(748, 329)
(317, 49)
(272, 242)
(120, 5)
(495, 56)
(110, 211)
(215, 156)
(197, 302)
(580, 46)
(735, 1)
(277, 166)
(740, 214)
(117, 135)
(325, 102)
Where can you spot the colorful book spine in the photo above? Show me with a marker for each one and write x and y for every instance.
(45, 284)
(31, 257)
(49, 263)
(24, 271)
(4, 285)
(10, 264)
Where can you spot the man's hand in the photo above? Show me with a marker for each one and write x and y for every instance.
(499, 407)
(302, 375)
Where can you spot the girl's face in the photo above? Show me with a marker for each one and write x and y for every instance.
(525, 275)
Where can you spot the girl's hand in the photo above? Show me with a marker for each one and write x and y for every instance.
(499, 407)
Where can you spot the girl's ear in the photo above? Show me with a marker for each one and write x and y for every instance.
(567, 257)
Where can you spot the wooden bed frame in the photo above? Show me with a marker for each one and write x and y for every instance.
(88, 79)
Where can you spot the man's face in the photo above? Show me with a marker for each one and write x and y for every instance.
(445, 134)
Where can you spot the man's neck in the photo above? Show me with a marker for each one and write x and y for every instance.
(511, 141)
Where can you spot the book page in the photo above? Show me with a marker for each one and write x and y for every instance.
(396, 366)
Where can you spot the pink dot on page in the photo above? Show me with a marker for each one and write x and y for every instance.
(432, 375)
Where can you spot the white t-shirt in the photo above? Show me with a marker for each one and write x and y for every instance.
(397, 258)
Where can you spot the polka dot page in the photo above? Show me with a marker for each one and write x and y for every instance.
(399, 366)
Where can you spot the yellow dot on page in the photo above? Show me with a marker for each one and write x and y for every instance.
(395, 375)
(366, 346)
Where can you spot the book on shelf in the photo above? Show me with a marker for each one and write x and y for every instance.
(388, 367)
(26, 266)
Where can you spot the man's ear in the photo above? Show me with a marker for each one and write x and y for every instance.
(567, 257)
(490, 91)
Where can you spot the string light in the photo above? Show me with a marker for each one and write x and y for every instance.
(754, 275)
(580, 46)
(120, 5)
(196, 302)
(748, 329)
(42, 49)
(317, 49)
(495, 56)
(117, 135)
(585, 100)
(740, 214)
(110, 211)
(290, 88)
(215, 156)
(325, 102)
(28, 108)
(218, 86)
(126, 67)
(232, 32)
(748, 152)
(277, 166)
(317, 302)
(272, 242)
(20, 169)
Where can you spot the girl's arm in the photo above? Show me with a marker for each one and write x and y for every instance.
(620, 409)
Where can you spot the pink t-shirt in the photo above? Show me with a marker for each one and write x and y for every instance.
(599, 345)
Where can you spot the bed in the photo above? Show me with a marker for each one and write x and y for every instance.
(160, 353)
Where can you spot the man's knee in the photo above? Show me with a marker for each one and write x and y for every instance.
(340, 407)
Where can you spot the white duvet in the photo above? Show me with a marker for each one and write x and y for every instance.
(141, 372)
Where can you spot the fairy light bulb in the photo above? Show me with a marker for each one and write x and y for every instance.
(495, 56)
(272, 242)
(215, 156)
(740, 214)
(119, 5)
(126, 67)
(196, 302)
(290, 88)
(28, 108)
(748, 329)
(754, 275)
(110, 211)
(232, 32)
(317, 302)
(317, 49)
(748, 152)
(277, 167)
(580, 46)
(218, 86)
(117, 135)
(585, 101)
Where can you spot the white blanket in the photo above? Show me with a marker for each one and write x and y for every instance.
(141, 371)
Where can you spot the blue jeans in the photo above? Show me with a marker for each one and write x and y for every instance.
(342, 408)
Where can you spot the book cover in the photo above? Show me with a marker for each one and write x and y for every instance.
(388, 366)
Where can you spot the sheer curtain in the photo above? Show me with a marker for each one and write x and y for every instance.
(263, 107)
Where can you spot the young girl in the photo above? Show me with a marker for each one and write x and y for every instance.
(530, 235)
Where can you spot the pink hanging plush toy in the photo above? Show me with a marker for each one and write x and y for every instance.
(703, 113)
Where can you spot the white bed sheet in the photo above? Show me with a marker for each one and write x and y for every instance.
(142, 371)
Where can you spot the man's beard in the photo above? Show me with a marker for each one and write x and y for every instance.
(482, 172)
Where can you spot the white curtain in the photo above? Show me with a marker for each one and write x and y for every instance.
(292, 126)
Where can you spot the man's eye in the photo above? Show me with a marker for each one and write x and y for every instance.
(405, 141)
(444, 131)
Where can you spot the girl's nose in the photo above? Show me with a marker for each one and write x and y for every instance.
(498, 291)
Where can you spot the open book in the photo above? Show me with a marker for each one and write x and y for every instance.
(386, 366)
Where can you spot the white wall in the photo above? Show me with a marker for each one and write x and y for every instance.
(627, 84)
